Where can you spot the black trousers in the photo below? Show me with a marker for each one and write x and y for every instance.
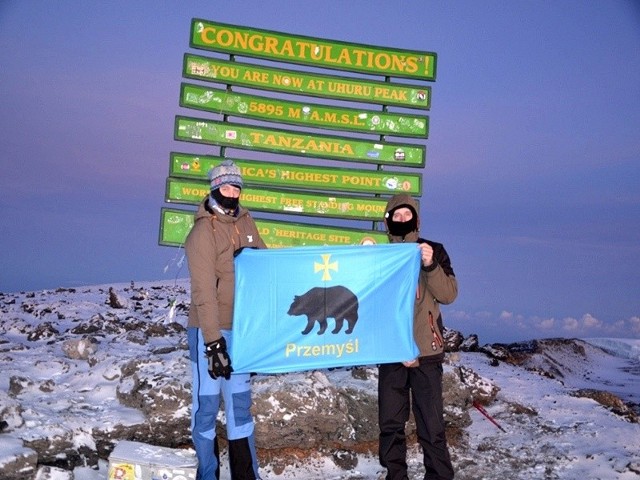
(400, 387)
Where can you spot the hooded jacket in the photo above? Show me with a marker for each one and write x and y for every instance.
(210, 248)
(436, 285)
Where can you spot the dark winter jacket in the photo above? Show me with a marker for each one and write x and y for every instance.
(210, 248)
(436, 285)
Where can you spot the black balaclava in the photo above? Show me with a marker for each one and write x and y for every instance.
(227, 203)
(227, 173)
(402, 229)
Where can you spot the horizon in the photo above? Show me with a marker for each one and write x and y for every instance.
(121, 288)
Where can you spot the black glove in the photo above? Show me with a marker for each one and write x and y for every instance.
(219, 361)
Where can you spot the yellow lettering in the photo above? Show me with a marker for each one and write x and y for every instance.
(388, 93)
(205, 35)
(224, 38)
(316, 51)
(305, 50)
(193, 191)
(287, 49)
(256, 137)
(291, 202)
(364, 181)
(287, 81)
(271, 45)
(359, 54)
(344, 57)
(226, 72)
(349, 89)
(256, 77)
(339, 239)
(261, 199)
(255, 43)
(329, 350)
(411, 64)
(294, 112)
(368, 208)
(303, 46)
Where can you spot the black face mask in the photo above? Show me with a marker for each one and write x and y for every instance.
(227, 203)
(402, 229)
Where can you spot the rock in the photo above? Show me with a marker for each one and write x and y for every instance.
(479, 388)
(457, 399)
(306, 413)
(362, 406)
(608, 400)
(10, 413)
(496, 351)
(22, 462)
(53, 473)
(18, 384)
(345, 459)
(470, 344)
(452, 340)
(162, 393)
(79, 348)
(43, 331)
(115, 300)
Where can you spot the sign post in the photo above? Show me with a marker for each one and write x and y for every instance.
(325, 131)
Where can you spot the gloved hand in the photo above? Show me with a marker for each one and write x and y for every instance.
(219, 361)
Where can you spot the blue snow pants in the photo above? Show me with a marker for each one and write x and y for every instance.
(206, 393)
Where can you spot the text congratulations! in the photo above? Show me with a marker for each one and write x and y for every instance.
(309, 51)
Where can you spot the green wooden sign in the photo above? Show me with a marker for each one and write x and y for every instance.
(296, 143)
(282, 47)
(175, 226)
(306, 83)
(306, 114)
(294, 185)
(309, 177)
(283, 201)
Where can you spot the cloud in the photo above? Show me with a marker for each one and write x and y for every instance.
(459, 315)
(570, 324)
(634, 326)
(508, 326)
(547, 323)
(590, 321)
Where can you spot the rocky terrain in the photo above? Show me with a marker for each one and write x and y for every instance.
(84, 368)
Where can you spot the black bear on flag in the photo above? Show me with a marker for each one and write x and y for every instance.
(320, 303)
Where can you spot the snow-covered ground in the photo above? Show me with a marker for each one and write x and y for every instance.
(551, 434)
(548, 432)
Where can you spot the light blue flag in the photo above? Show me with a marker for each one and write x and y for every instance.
(308, 308)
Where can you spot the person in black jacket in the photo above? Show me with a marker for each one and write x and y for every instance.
(417, 382)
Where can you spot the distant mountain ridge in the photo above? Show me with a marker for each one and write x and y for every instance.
(620, 347)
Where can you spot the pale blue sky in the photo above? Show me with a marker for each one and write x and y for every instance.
(532, 167)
